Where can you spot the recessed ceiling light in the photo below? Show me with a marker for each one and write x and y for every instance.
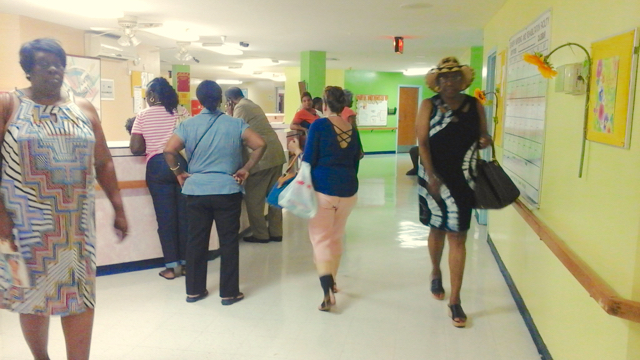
(415, 6)
(416, 71)
(228, 82)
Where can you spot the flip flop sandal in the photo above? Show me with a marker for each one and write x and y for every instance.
(232, 300)
(436, 289)
(456, 312)
(168, 274)
(192, 299)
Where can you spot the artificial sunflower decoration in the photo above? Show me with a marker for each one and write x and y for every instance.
(480, 95)
(547, 71)
(543, 64)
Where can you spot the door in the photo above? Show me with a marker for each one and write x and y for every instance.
(407, 112)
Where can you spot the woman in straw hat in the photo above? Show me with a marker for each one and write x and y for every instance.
(451, 126)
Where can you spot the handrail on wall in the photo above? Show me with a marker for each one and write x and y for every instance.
(377, 128)
(599, 290)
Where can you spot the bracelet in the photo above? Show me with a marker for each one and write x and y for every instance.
(175, 168)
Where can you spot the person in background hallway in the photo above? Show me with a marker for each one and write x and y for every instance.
(53, 151)
(450, 128)
(333, 152)
(318, 104)
(151, 130)
(214, 143)
(264, 174)
(413, 153)
(306, 115)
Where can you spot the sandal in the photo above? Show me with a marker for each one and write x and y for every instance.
(168, 274)
(232, 300)
(192, 299)
(456, 312)
(436, 289)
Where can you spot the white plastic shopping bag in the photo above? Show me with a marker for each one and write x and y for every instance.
(300, 197)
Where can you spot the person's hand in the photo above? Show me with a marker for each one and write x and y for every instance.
(485, 140)
(230, 106)
(294, 146)
(121, 226)
(433, 187)
(241, 176)
(182, 177)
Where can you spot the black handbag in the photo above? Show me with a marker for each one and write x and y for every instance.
(494, 188)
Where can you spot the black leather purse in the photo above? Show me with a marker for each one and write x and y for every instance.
(494, 188)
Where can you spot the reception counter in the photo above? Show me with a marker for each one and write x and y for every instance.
(141, 248)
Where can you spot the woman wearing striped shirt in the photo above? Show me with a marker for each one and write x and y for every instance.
(151, 130)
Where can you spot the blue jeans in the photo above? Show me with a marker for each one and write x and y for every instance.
(171, 209)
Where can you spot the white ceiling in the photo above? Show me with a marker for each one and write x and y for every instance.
(357, 32)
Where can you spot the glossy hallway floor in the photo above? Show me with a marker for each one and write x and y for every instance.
(384, 311)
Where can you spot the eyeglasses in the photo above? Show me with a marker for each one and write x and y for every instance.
(449, 78)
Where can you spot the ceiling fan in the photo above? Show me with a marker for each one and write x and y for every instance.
(128, 25)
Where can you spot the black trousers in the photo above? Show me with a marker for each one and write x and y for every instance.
(202, 211)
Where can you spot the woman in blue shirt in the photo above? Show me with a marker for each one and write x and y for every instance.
(333, 151)
(213, 185)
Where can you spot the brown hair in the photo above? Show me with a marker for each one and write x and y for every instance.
(306, 94)
(335, 99)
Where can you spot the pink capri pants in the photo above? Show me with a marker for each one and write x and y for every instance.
(326, 229)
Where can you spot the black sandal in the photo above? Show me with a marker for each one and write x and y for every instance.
(456, 312)
(436, 289)
(167, 272)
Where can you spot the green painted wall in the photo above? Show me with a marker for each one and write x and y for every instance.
(313, 69)
(362, 82)
(476, 65)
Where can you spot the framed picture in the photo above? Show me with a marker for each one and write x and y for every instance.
(613, 80)
(82, 78)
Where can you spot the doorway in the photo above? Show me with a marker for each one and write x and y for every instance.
(408, 101)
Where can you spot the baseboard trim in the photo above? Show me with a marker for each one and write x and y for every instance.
(522, 307)
(379, 152)
(141, 265)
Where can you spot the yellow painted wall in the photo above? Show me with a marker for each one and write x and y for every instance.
(334, 77)
(597, 215)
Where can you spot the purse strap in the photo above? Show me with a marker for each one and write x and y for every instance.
(493, 149)
(205, 133)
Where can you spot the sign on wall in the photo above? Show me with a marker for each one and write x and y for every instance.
(371, 110)
(526, 98)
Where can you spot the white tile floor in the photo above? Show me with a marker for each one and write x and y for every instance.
(384, 311)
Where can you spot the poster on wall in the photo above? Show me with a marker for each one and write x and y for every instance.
(525, 106)
(82, 79)
(612, 89)
(371, 110)
(107, 91)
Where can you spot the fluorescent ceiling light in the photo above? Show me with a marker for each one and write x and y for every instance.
(416, 71)
(177, 30)
(224, 50)
(255, 63)
(228, 82)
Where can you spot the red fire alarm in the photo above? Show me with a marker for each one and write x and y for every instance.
(398, 44)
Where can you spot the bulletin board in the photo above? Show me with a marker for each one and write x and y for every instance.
(372, 110)
(501, 69)
(613, 79)
(525, 105)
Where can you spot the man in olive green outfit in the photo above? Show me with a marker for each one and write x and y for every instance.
(263, 175)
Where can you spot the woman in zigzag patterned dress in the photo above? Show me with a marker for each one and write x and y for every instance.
(450, 127)
(53, 150)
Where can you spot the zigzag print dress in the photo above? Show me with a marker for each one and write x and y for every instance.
(453, 141)
(48, 190)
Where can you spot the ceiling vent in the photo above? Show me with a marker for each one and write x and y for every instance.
(107, 47)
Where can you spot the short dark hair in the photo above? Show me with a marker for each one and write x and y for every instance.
(234, 93)
(305, 94)
(29, 49)
(334, 98)
(166, 94)
(317, 100)
(209, 93)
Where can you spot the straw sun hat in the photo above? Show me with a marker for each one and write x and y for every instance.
(449, 64)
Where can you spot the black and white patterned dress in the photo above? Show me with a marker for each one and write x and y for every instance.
(453, 141)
